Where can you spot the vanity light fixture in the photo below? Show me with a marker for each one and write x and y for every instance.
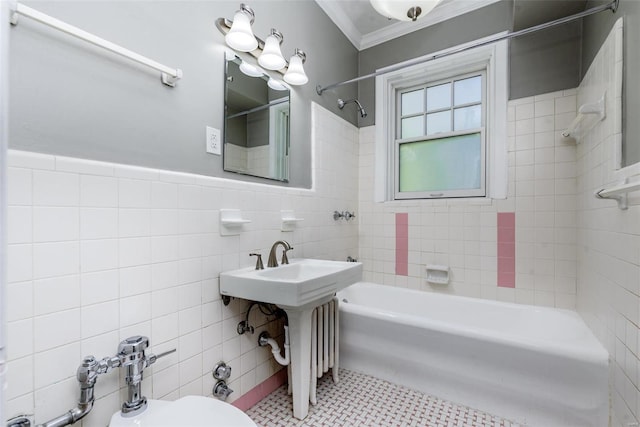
(250, 70)
(404, 10)
(271, 57)
(241, 38)
(295, 74)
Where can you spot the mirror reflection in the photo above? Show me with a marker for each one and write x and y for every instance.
(256, 131)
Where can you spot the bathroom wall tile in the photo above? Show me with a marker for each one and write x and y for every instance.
(166, 381)
(19, 377)
(133, 222)
(56, 294)
(135, 280)
(164, 302)
(30, 160)
(134, 251)
(22, 292)
(20, 333)
(98, 191)
(83, 166)
(135, 309)
(55, 224)
(20, 188)
(99, 318)
(164, 195)
(55, 259)
(134, 193)
(98, 223)
(164, 275)
(56, 365)
(53, 330)
(20, 259)
(21, 220)
(96, 255)
(47, 399)
(99, 286)
(189, 320)
(55, 188)
(165, 328)
(164, 222)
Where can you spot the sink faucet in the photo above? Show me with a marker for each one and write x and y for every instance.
(273, 261)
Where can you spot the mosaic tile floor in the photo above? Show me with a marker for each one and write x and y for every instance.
(360, 400)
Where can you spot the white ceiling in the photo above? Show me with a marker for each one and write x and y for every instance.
(365, 28)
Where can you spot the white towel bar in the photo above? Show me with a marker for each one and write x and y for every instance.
(169, 75)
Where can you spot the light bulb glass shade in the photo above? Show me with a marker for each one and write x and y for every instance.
(295, 74)
(400, 9)
(271, 57)
(240, 37)
(251, 70)
(276, 84)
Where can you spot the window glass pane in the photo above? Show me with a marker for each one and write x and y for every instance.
(468, 91)
(439, 97)
(467, 117)
(412, 102)
(439, 122)
(452, 163)
(412, 127)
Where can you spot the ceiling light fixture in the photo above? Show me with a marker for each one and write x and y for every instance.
(239, 36)
(404, 10)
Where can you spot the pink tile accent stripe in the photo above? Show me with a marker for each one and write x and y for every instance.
(507, 249)
(261, 391)
(402, 244)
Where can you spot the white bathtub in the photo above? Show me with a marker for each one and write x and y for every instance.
(536, 366)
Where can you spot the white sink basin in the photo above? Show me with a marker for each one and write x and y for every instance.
(293, 285)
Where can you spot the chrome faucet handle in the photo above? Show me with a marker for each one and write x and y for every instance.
(259, 264)
(285, 259)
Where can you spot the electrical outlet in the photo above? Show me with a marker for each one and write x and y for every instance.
(213, 143)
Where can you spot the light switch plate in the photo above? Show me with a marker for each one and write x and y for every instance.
(213, 143)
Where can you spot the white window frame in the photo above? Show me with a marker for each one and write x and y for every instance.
(494, 59)
(398, 141)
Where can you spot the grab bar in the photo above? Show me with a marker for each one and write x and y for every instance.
(169, 76)
(619, 193)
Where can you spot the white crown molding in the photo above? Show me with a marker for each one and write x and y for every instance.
(443, 12)
(342, 21)
(439, 14)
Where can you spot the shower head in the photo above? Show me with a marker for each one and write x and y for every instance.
(342, 103)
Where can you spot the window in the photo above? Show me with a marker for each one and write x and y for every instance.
(441, 127)
(440, 145)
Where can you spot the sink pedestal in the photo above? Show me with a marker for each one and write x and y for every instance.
(300, 350)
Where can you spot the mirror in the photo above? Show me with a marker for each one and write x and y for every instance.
(256, 123)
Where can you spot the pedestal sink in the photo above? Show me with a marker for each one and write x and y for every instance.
(297, 288)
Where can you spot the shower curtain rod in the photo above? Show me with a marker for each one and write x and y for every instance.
(613, 6)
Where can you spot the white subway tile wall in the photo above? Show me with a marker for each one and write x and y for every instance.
(462, 233)
(99, 252)
(609, 238)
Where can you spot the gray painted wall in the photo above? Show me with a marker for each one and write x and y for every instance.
(596, 30)
(70, 98)
(543, 62)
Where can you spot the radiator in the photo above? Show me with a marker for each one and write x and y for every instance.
(324, 344)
